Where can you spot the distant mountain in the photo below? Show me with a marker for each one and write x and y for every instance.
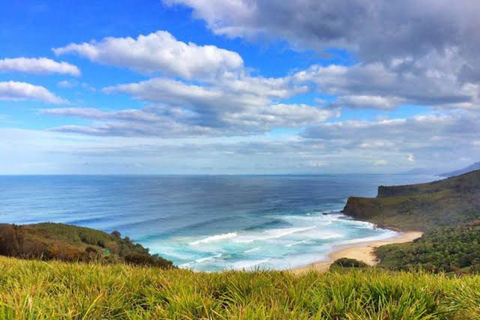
(473, 167)
(421, 171)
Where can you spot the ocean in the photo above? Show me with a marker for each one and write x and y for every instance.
(207, 223)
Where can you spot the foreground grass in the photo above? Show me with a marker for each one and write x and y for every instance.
(55, 290)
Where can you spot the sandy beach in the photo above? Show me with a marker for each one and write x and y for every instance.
(362, 251)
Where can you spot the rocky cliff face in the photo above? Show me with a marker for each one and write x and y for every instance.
(361, 208)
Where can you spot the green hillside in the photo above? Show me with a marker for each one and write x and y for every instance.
(445, 249)
(56, 290)
(421, 207)
(447, 210)
(53, 241)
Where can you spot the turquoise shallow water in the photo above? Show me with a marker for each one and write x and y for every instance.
(206, 222)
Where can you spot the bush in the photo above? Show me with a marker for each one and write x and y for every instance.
(348, 263)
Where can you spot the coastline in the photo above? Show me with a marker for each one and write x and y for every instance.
(362, 251)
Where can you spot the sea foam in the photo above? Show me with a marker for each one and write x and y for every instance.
(214, 238)
(271, 234)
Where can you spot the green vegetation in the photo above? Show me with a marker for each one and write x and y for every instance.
(347, 263)
(52, 241)
(421, 207)
(434, 208)
(448, 249)
(57, 290)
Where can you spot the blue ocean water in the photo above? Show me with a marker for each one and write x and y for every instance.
(206, 223)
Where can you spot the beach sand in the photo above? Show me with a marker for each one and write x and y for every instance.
(362, 251)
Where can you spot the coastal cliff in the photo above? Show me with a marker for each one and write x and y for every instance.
(448, 211)
(421, 207)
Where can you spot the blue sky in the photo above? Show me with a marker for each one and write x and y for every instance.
(237, 86)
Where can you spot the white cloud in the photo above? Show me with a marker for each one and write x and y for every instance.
(378, 29)
(377, 86)
(279, 116)
(233, 105)
(38, 66)
(368, 102)
(410, 52)
(431, 140)
(231, 93)
(19, 91)
(159, 52)
(175, 122)
(438, 142)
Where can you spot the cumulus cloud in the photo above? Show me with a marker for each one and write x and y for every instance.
(223, 99)
(225, 94)
(368, 102)
(417, 52)
(279, 116)
(376, 29)
(236, 105)
(158, 52)
(38, 66)
(297, 21)
(376, 86)
(19, 91)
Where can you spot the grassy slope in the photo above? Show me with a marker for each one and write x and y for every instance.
(55, 290)
(421, 207)
(52, 241)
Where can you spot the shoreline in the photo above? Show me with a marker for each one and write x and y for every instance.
(362, 251)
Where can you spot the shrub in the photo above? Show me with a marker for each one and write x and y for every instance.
(348, 263)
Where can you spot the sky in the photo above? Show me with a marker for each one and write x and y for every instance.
(239, 86)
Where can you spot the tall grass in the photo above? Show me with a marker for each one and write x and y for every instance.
(55, 290)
